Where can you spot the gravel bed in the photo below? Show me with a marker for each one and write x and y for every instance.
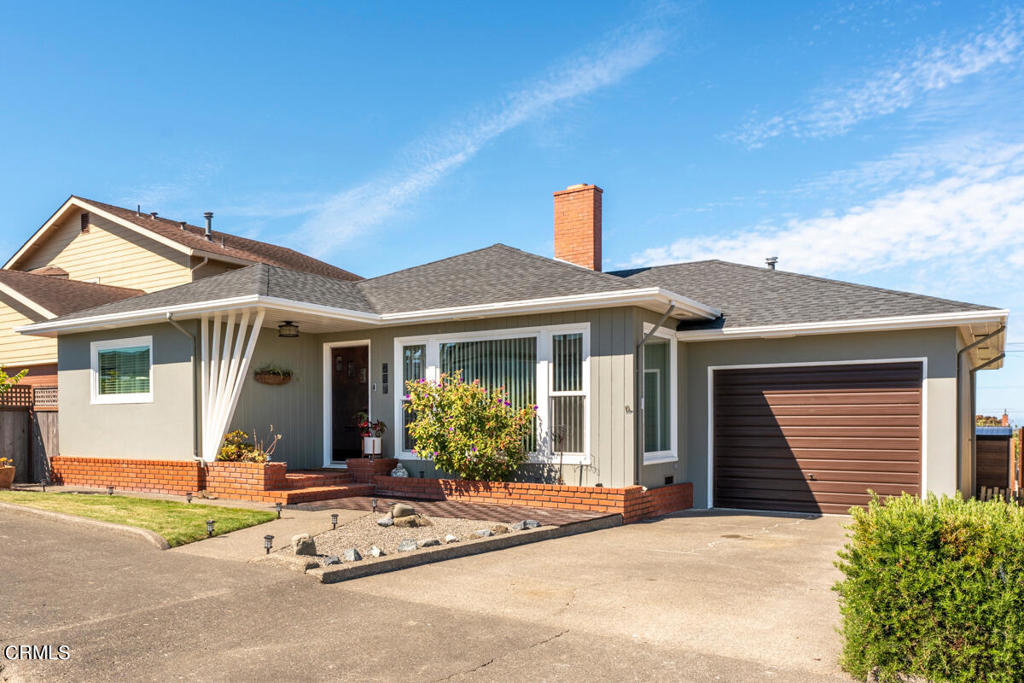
(364, 532)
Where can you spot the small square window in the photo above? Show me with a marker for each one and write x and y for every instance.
(122, 370)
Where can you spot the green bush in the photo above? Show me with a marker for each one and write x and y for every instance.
(466, 429)
(934, 589)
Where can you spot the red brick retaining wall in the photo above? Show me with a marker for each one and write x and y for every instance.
(153, 476)
(245, 480)
(632, 502)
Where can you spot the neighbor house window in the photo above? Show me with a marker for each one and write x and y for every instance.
(122, 370)
(543, 367)
(659, 399)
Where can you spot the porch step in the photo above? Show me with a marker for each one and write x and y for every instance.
(304, 479)
(312, 493)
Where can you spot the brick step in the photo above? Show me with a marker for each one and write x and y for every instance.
(307, 495)
(304, 480)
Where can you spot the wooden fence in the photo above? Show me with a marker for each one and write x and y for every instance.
(28, 430)
(993, 493)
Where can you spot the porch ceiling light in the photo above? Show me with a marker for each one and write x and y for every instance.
(288, 329)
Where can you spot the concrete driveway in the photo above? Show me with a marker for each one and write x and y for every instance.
(689, 597)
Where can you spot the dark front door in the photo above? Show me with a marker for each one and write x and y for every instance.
(350, 369)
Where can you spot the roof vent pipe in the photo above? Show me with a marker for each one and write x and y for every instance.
(138, 209)
(771, 261)
(209, 225)
(183, 224)
(152, 214)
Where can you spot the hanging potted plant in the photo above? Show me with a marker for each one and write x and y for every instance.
(272, 375)
(371, 433)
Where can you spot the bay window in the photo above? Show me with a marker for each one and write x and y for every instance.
(546, 367)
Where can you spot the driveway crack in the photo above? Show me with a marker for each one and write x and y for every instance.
(490, 661)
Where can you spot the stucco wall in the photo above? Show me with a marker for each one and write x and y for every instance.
(938, 346)
(161, 430)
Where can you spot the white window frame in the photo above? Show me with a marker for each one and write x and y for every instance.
(545, 364)
(328, 395)
(94, 381)
(672, 454)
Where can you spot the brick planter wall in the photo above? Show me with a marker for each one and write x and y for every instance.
(245, 480)
(363, 471)
(151, 476)
(632, 502)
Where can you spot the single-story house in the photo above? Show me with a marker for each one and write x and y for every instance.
(766, 389)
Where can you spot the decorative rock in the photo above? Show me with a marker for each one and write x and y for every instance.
(332, 559)
(402, 510)
(525, 524)
(385, 521)
(499, 529)
(376, 552)
(303, 544)
(399, 471)
(352, 555)
(428, 542)
(451, 538)
(407, 545)
(483, 533)
(412, 521)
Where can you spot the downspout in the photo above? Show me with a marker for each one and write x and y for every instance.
(974, 411)
(638, 415)
(959, 401)
(195, 383)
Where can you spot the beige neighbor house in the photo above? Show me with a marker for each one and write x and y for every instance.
(89, 253)
(765, 389)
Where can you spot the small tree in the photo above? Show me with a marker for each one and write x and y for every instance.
(468, 430)
(8, 381)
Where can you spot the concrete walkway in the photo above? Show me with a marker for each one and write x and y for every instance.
(245, 544)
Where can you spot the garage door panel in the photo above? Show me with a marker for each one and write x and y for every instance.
(797, 474)
(912, 398)
(820, 442)
(768, 420)
(851, 427)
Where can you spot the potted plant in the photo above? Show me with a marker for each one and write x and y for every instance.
(272, 374)
(371, 433)
(6, 473)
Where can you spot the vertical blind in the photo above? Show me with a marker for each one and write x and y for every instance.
(509, 363)
(414, 367)
(124, 371)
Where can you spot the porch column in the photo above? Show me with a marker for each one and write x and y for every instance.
(224, 366)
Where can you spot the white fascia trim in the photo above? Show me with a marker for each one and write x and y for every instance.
(25, 301)
(621, 297)
(838, 326)
(503, 308)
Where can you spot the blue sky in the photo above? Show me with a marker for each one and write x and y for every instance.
(879, 142)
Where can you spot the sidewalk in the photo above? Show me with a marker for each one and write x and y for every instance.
(246, 544)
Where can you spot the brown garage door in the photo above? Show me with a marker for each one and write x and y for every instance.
(816, 438)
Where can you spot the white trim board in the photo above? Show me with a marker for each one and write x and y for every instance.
(710, 407)
(672, 454)
(328, 394)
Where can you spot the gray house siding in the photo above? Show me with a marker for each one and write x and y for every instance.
(161, 430)
(939, 346)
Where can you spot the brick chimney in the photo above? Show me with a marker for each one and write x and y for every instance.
(578, 225)
(1005, 421)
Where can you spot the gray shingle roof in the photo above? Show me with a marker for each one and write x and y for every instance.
(751, 296)
(60, 295)
(746, 295)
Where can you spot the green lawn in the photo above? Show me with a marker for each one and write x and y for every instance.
(179, 523)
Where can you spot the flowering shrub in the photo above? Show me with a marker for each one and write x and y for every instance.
(238, 448)
(466, 429)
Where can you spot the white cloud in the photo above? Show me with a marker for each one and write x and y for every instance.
(929, 67)
(970, 212)
(353, 211)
